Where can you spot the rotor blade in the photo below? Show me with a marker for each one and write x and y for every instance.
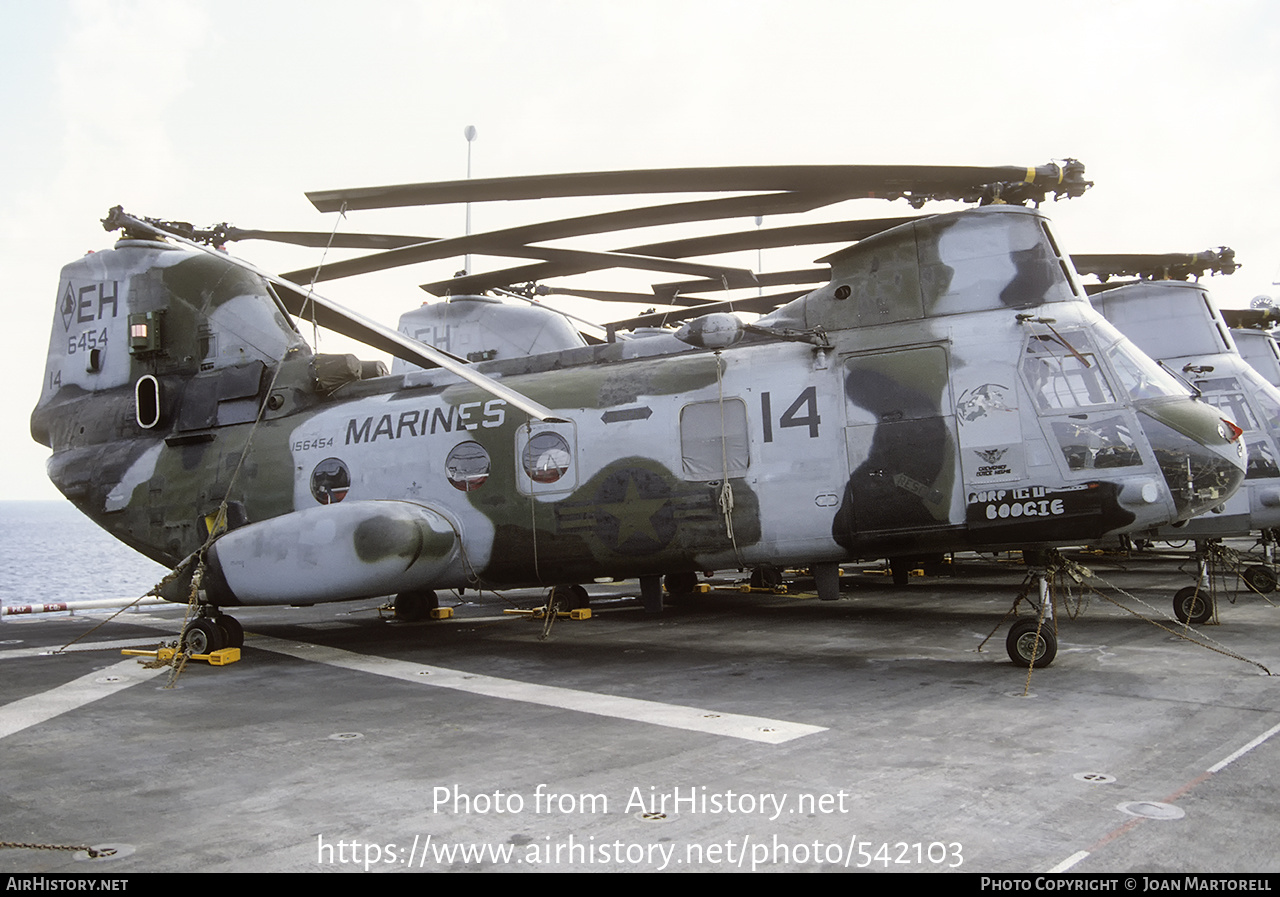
(804, 188)
(675, 293)
(891, 181)
(574, 261)
(1092, 289)
(1166, 266)
(351, 324)
(1251, 318)
(772, 237)
(514, 241)
(594, 261)
(601, 295)
(766, 238)
(319, 240)
(751, 304)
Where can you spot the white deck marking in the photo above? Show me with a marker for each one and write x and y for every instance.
(1068, 862)
(26, 712)
(54, 651)
(1212, 770)
(751, 728)
(1222, 764)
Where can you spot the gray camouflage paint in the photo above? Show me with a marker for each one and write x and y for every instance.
(1179, 324)
(913, 429)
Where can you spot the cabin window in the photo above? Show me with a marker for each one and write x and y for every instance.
(547, 453)
(713, 439)
(330, 481)
(546, 457)
(146, 395)
(467, 466)
(1096, 442)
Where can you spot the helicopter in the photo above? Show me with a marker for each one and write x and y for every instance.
(1178, 323)
(949, 387)
(1252, 329)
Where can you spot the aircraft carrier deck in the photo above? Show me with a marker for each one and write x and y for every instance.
(731, 732)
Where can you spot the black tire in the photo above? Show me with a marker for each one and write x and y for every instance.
(766, 577)
(900, 568)
(681, 585)
(202, 636)
(1023, 647)
(566, 597)
(413, 606)
(1260, 579)
(1191, 605)
(232, 631)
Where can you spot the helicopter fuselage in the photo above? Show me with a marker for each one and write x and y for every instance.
(951, 388)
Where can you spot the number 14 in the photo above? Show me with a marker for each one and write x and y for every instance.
(807, 400)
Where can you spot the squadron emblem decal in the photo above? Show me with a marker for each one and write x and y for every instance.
(68, 308)
(977, 402)
(992, 463)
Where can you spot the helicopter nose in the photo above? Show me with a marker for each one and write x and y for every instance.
(1200, 455)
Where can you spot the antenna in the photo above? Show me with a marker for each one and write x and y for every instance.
(759, 256)
(468, 132)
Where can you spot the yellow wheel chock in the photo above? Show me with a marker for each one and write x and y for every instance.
(219, 658)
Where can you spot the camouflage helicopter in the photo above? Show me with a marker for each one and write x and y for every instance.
(1253, 332)
(950, 387)
(1178, 323)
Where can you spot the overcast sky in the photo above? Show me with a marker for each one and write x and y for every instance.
(230, 110)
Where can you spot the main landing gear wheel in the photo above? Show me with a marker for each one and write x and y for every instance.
(1260, 579)
(900, 568)
(1025, 649)
(202, 636)
(1191, 605)
(413, 606)
(565, 598)
(232, 631)
(681, 585)
(766, 576)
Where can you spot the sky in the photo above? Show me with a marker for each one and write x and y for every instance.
(229, 111)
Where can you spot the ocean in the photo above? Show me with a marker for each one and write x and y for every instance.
(49, 551)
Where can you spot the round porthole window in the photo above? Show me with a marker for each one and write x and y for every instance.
(546, 457)
(467, 466)
(330, 481)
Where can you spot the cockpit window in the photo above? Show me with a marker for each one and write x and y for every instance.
(1224, 394)
(1262, 461)
(1063, 372)
(1141, 377)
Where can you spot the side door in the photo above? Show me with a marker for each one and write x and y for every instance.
(900, 439)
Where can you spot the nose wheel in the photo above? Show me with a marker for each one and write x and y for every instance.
(1191, 605)
(1259, 578)
(1032, 642)
(1028, 647)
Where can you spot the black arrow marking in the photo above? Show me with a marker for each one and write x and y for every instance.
(612, 417)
